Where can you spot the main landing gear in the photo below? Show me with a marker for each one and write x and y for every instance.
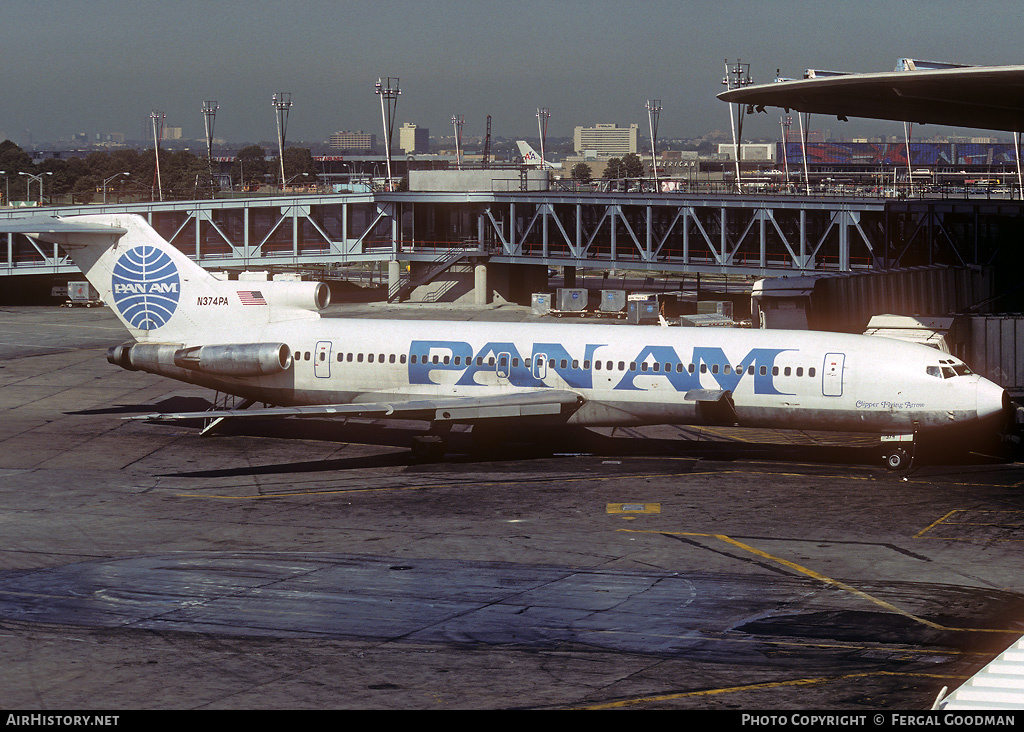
(432, 446)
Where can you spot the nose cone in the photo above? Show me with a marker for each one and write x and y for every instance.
(993, 401)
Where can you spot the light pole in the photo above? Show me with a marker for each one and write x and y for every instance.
(653, 112)
(38, 179)
(116, 175)
(388, 104)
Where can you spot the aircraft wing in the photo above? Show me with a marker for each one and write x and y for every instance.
(444, 409)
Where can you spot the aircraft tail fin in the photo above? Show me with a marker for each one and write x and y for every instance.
(528, 154)
(160, 295)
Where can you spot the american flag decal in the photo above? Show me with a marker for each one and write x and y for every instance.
(251, 297)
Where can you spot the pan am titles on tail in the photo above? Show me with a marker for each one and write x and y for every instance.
(267, 343)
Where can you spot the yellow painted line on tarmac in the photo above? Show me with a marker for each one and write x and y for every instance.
(928, 531)
(824, 579)
(622, 703)
(429, 486)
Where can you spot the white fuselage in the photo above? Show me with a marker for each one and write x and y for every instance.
(625, 375)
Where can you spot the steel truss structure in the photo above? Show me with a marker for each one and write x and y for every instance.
(737, 234)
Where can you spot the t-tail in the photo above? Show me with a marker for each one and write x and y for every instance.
(162, 296)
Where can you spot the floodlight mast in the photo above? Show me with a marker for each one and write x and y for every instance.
(209, 117)
(543, 113)
(158, 133)
(786, 122)
(282, 102)
(736, 77)
(385, 90)
(653, 112)
(458, 120)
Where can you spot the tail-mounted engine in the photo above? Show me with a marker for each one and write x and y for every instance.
(233, 359)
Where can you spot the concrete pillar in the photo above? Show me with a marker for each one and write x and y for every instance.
(480, 293)
(394, 274)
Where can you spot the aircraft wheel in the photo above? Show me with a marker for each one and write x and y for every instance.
(897, 460)
(429, 448)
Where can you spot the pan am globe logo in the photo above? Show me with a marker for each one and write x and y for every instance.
(146, 287)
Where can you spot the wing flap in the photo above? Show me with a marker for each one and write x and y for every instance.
(445, 409)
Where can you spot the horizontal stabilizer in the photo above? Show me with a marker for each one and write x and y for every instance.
(450, 409)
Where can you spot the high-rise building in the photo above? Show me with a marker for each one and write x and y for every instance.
(606, 139)
(413, 139)
(353, 141)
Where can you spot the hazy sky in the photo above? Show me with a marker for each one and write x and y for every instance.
(103, 65)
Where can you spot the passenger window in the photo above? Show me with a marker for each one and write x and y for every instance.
(788, 371)
(401, 359)
(597, 365)
(703, 368)
(436, 358)
(515, 363)
(726, 370)
(764, 371)
(359, 358)
(323, 356)
(447, 360)
(586, 365)
(369, 357)
(799, 370)
(622, 365)
(714, 368)
(643, 366)
(348, 357)
(810, 372)
(564, 363)
(632, 365)
(775, 370)
(391, 358)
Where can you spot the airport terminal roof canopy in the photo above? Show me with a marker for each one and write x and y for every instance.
(985, 97)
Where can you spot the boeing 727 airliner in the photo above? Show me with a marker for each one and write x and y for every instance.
(266, 342)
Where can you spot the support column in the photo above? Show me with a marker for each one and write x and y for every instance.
(480, 293)
(394, 275)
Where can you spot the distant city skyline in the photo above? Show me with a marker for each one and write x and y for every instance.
(102, 66)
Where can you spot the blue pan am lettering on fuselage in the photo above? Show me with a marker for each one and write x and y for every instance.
(427, 356)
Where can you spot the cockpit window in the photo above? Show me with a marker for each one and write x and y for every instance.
(948, 369)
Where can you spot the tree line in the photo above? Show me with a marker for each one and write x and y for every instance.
(183, 174)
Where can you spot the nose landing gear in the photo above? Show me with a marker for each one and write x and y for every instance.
(898, 451)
